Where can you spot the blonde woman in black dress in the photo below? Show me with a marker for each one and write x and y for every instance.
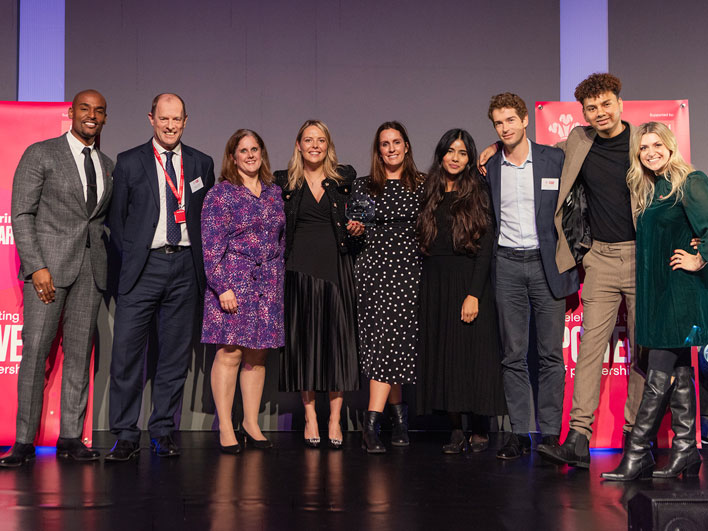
(320, 314)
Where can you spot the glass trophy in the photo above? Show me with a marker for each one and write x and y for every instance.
(360, 209)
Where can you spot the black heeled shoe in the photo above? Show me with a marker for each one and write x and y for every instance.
(312, 442)
(253, 443)
(234, 449)
(458, 443)
(335, 444)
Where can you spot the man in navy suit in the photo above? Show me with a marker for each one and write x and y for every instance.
(524, 178)
(154, 219)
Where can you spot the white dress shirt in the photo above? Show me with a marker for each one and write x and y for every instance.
(517, 227)
(77, 148)
(160, 237)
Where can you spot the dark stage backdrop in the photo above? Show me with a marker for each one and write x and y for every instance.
(269, 65)
(8, 50)
(659, 53)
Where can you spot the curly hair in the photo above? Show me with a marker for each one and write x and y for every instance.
(596, 84)
(507, 100)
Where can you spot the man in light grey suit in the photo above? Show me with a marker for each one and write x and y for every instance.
(60, 196)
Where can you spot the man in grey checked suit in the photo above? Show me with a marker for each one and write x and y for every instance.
(60, 196)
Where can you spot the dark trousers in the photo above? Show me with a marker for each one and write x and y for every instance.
(521, 287)
(665, 360)
(167, 289)
(76, 306)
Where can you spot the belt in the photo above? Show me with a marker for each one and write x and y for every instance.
(519, 254)
(171, 249)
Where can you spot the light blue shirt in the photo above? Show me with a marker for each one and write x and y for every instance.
(517, 210)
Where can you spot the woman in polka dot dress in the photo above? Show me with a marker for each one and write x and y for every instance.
(387, 275)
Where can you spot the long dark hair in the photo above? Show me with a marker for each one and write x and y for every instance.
(470, 210)
(410, 176)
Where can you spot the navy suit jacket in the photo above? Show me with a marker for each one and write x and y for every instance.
(135, 209)
(547, 163)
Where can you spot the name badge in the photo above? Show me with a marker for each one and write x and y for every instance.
(196, 184)
(549, 184)
(179, 216)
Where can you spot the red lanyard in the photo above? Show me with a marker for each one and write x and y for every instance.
(177, 193)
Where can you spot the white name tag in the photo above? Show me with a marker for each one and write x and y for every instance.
(197, 184)
(546, 184)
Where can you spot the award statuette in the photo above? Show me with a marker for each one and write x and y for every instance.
(360, 209)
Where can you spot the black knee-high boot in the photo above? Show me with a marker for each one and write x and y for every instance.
(685, 457)
(637, 461)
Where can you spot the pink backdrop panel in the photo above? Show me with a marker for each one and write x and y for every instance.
(554, 121)
(22, 124)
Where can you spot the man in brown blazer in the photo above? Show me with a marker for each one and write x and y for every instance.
(60, 196)
(602, 235)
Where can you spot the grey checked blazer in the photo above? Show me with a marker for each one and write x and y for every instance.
(49, 218)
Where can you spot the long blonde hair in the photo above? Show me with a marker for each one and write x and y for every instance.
(640, 179)
(296, 168)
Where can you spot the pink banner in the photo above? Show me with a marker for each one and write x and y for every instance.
(554, 121)
(24, 123)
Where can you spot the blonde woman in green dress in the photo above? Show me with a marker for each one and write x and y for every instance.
(672, 298)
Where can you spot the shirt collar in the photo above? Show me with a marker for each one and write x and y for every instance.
(529, 158)
(76, 145)
(177, 150)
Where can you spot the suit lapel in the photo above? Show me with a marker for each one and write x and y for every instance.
(494, 172)
(575, 153)
(72, 172)
(189, 174)
(106, 183)
(148, 160)
(538, 166)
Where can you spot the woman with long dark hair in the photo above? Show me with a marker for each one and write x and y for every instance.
(243, 240)
(672, 298)
(459, 367)
(387, 274)
(320, 309)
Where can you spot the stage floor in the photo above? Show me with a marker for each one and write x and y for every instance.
(291, 487)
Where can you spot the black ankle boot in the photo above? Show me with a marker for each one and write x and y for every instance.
(575, 451)
(458, 443)
(370, 433)
(399, 420)
(685, 458)
(637, 461)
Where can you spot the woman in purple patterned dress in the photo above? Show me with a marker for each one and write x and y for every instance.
(243, 237)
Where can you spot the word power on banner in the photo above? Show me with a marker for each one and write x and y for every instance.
(23, 124)
(554, 121)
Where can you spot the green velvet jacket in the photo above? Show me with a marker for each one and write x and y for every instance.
(670, 303)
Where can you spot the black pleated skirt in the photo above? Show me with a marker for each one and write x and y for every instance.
(459, 364)
(320, 351)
